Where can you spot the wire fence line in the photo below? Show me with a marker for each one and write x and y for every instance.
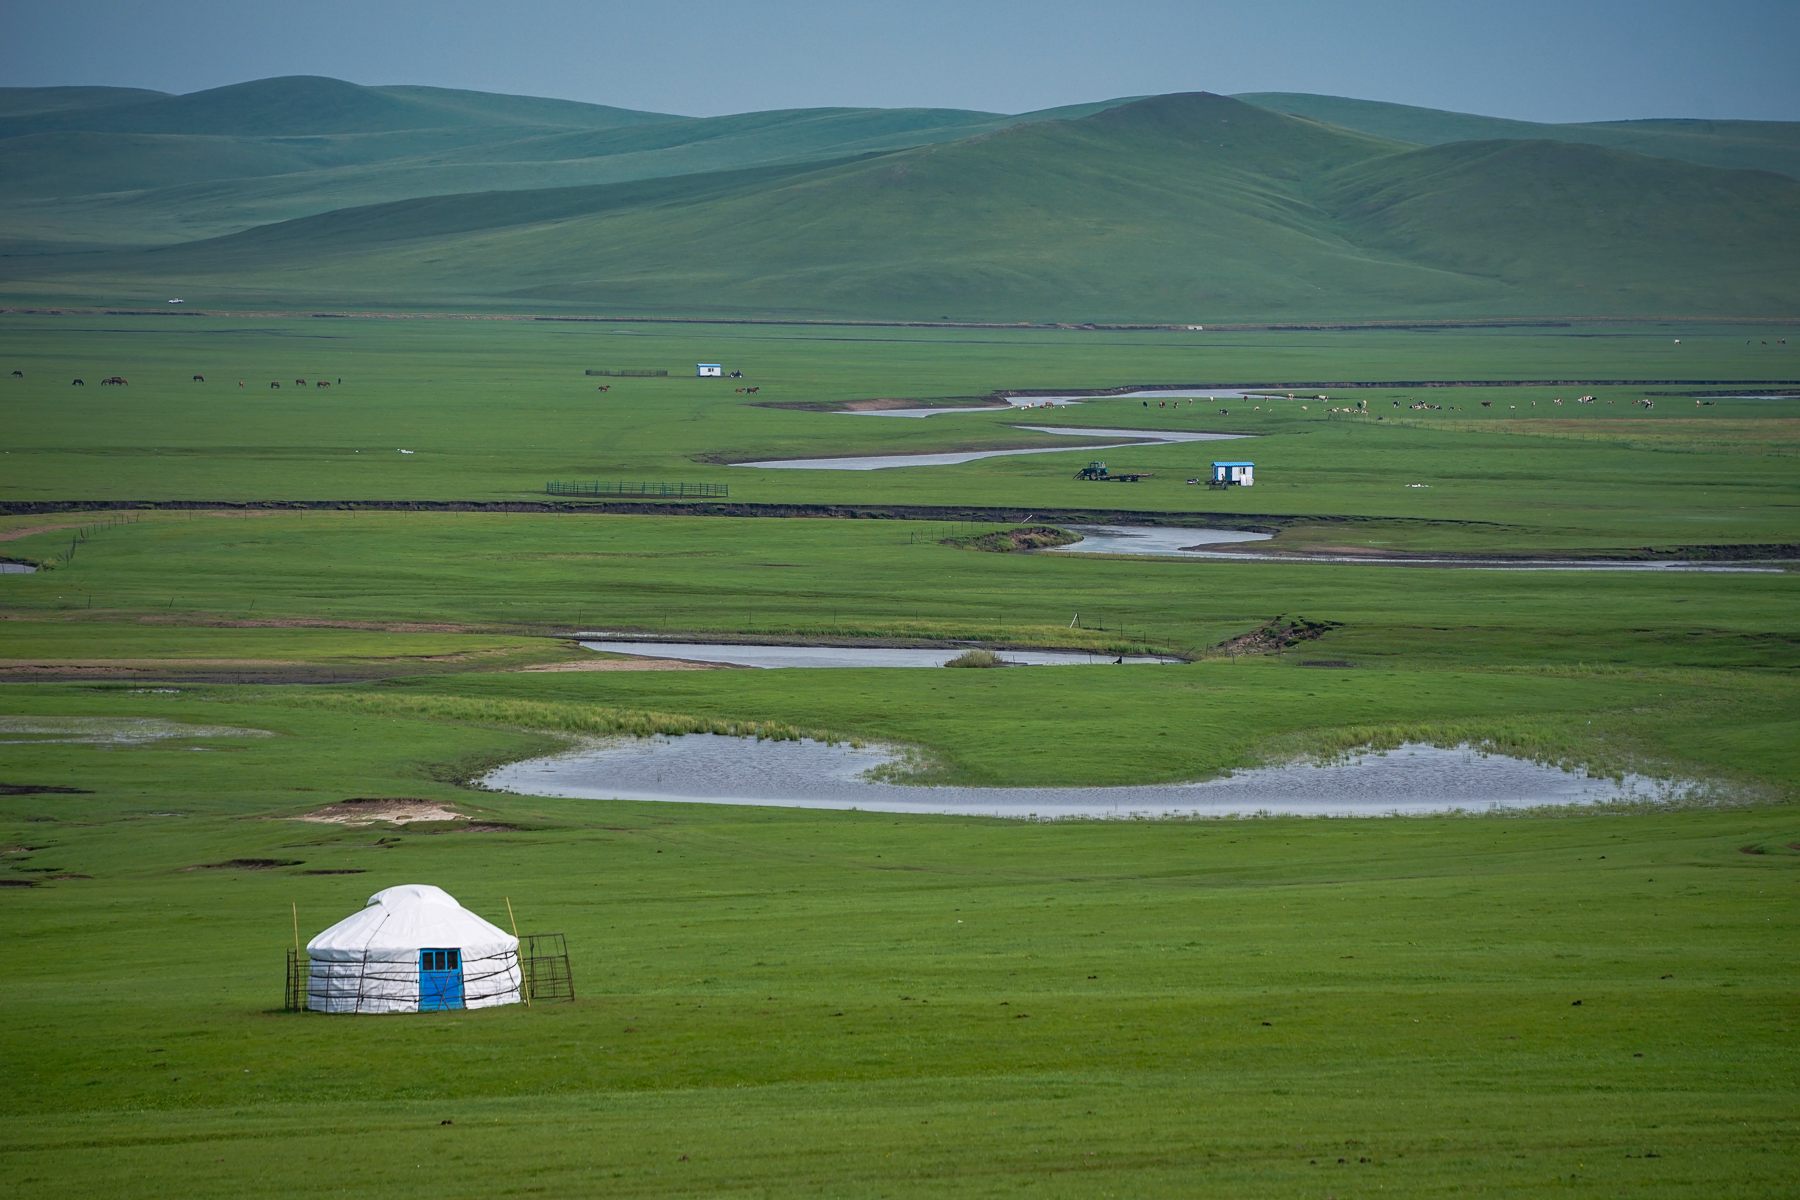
(601, 487)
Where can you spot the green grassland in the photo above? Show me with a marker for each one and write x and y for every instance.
(781, 1002)
(851, 1004)
(494, 409)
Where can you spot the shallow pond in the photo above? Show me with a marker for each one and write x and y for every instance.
(840, 656)
(711, 769)
(1158, 541)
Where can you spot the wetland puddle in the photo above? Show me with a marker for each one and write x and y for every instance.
(840, 656)
(712, 769)
(124, 731)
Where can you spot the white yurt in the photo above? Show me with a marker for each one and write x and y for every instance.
(412, 948)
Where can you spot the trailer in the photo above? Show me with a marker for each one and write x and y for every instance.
(1096, 472)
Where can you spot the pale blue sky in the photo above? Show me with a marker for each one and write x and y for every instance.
(1532, 59)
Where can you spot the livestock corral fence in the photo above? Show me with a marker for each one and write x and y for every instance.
(631, 371)
(601, 487)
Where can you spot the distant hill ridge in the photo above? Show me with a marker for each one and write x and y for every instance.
(1164, 209)
(308, 105)
(1748, 145)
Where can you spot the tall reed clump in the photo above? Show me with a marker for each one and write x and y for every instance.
(546, 716)
(976, 658)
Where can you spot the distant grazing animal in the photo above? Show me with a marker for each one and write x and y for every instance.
(321, 383)
(77, 383)
(753, 391)
(273, 384)
(116, 381)
(607, 387)
(18, 374)
(299, 383)
(199, 379)
(1487, 404)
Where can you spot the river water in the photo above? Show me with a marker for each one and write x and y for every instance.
(712, 769)
(841, 656)
(1171, 542)
(880, 462)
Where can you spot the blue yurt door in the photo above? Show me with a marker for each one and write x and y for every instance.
(440, 980)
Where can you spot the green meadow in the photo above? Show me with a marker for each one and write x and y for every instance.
(789, 1002)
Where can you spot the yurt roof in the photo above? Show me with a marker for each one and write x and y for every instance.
(399, 921)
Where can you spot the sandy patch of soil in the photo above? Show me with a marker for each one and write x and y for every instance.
(629, 664)
(13, 535)
(315, 623)
(395, 811)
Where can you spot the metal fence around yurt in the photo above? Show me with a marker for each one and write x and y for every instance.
(545, 957)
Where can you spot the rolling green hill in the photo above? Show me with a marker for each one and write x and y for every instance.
(1748, 145)
(307, 192)
(307, 105)
(85, 168)
(1177, 208)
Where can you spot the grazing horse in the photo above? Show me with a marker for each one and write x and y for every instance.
(606, 387)
(299, 383)
(1487, 404)
(77, 383)
(199, 379)
(321, 383)
(115, 381)
(754, 390)
(273, 384)
(18, 374)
